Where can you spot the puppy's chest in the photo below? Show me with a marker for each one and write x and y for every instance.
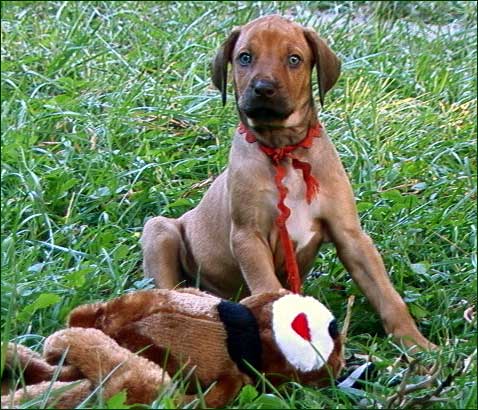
(302, 222)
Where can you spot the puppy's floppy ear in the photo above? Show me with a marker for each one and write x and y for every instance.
(220, 62)
(325, 60)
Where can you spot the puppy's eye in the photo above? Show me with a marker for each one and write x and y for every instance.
(294, 60)
(245, 59)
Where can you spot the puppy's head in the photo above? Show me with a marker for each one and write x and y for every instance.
(272, 60)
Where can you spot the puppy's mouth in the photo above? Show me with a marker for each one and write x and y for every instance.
(265, 107)
(266, 114)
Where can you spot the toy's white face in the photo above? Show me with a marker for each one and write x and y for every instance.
(304, 330)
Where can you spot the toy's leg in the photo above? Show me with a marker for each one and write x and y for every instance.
(161, 242)
(34, 368)
(61, 395)
(103, 361)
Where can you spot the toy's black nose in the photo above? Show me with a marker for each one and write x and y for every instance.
(333, 329)
(264, 88)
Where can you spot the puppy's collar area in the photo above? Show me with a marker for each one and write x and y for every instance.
(312, 188)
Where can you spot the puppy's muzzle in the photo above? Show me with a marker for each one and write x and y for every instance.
(264, 101)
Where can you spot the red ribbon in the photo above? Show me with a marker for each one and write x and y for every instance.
(312, 188)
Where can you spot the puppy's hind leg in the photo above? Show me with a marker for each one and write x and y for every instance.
(161, 243)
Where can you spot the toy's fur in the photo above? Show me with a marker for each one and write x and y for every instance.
(93, 359)
(136, 341)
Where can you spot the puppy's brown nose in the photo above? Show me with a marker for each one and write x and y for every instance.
(264, 88)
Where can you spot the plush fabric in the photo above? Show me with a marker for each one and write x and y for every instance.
(135, 342)
(62, 395)
(97, 360)
(274, 364)
(243, 341)
(300, 326)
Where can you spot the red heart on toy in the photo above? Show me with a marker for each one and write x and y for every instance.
(301, 326)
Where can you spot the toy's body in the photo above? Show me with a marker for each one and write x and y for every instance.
(179, 329)
(190, 331)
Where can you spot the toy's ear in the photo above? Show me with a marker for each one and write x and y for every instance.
(222, 59)
(86, 315)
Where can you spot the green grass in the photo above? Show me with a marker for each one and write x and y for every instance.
(109, 118)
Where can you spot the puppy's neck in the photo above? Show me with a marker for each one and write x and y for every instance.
(276, 136)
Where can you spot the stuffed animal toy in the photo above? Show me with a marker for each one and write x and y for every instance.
(135, 342)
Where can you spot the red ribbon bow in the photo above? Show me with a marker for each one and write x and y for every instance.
(312, 188)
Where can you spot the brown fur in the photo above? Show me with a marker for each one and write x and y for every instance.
(96, 359)
(35, 369)
(96, 355)
(183, 328)
(185, 332)
(136, 341)
(230, 240)
(63, 395)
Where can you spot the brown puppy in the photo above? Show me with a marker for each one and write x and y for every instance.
(232, 236)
